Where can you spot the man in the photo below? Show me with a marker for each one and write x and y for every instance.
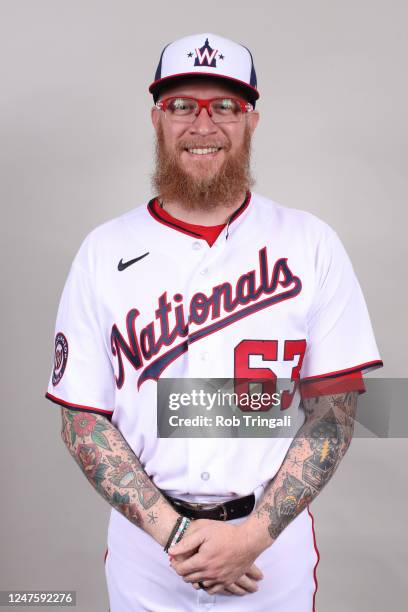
(210, 281)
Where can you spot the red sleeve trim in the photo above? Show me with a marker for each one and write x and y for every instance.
(341, 381)
(79, 407)
(341, 384)
(363, 367)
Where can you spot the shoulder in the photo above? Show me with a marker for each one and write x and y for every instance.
(301, 222)
(110, 235)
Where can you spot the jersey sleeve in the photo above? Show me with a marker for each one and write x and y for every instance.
(341, 345)
(82, 375)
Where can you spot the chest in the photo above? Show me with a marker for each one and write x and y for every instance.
(208, 311)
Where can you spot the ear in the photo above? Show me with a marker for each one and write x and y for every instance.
(155, 114)
(253, 119)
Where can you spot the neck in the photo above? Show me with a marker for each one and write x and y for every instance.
(216, 215)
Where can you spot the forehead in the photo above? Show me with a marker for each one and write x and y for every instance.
(200, 87)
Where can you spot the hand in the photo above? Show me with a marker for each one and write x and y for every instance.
(247, 583)
(220, 554)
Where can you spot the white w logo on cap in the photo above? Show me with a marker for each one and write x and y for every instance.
(205, 54)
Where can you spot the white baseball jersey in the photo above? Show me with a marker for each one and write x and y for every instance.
(147, 297)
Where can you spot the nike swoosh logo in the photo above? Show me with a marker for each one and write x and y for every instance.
(123, 265)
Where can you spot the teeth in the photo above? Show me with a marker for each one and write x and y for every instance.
(203, 151)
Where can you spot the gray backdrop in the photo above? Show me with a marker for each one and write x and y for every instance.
(76, 150)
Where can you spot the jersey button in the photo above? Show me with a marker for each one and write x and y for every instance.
(204, 271)
(205, 356)
(205, 476)
(197, 245)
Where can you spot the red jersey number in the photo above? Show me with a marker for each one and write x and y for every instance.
(244, 375)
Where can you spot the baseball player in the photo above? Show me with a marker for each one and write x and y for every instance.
(209, 280)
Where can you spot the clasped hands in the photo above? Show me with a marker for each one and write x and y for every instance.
(219, 555)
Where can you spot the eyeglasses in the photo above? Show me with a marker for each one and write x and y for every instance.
(221, 110)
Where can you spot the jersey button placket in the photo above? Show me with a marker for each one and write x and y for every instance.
(201, 281)
(200, 249)
(200, 362)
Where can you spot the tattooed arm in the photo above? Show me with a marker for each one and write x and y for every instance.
(310, 462)
(114, 470)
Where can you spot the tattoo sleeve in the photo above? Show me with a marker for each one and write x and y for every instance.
(116, 473)
(310, 462)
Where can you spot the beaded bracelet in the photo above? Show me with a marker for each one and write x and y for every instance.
(183, 530)
(177, 532)
(180, 532)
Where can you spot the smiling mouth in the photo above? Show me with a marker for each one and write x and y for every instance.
(203, 151)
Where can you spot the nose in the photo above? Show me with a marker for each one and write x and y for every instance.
(203, 124)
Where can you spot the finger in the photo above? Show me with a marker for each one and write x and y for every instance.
(187, 544)
(196, 576)
(207, 584)
(176, 562)
(223, 591)
(246, 583)
(177, 559)
(217, 588)
(254, 572)
(234, 589)
(192, 568)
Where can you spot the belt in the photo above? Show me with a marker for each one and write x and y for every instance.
(226, 511)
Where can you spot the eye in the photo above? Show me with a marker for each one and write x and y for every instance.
(227, 103)
(226, 106)
(181, 106)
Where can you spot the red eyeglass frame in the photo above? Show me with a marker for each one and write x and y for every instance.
(246, 107)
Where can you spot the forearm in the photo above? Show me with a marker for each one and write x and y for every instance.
(116, 473)
(312, 459)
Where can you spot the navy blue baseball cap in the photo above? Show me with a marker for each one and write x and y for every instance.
(206, 55)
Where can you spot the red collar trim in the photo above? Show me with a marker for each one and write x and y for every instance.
(208, 233)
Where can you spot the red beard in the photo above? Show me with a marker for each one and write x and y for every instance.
(223, 188)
